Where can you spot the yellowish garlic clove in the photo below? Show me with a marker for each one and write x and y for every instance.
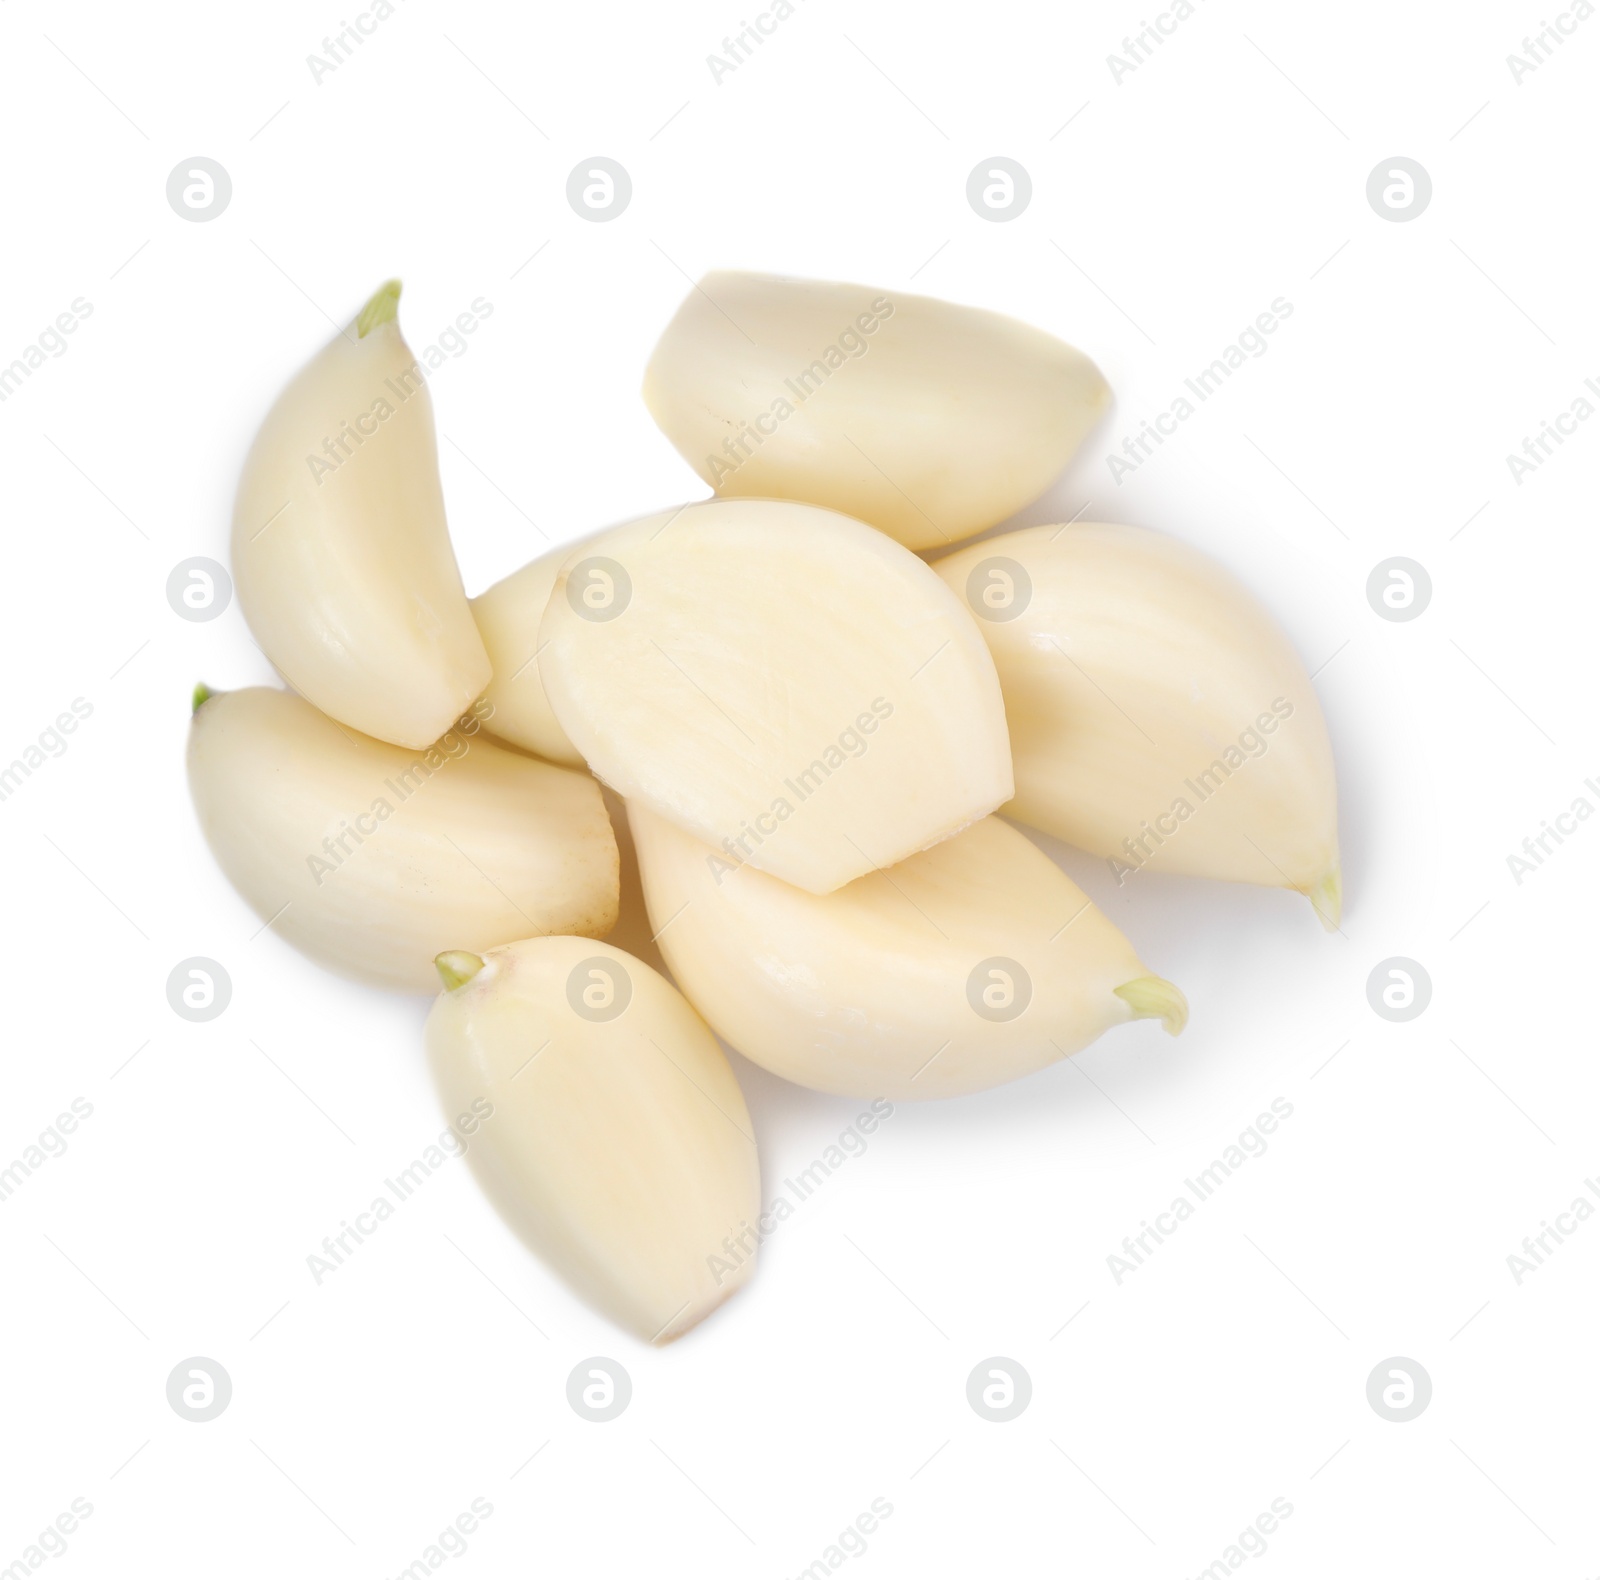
(516, 708)
(341, 555)
(371, 858)
(1159, 717)
(787, 684)
(962, 968)
(617, 1142)
(930, 420)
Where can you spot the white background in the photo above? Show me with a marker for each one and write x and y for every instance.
(1168, 1410)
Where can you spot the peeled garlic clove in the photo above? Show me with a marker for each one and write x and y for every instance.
(516, 708)
(930, 420)
(781, 681)
(960, 969)
(618, 1143)
(340, 551)
(371, 858)
(1159, 717)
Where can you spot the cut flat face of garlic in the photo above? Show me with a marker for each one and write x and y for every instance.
(1159, 717)
(929, 420)
(960, 969)
(618, 1144)
(516, 708)
(785, 683)
(371, 858)
(340, 551)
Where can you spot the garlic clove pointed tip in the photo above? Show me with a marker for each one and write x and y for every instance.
(382, 307)
(457, 967)
(691, 1314)
(1152, 998)
(201, 695)
(1327, 898)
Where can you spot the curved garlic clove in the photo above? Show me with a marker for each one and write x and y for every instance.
(371, 858)
(1159, 717)
(964, 967)
(930, 420)
(516, 708)
(782, 681)
(340, 552)
(617, 1142)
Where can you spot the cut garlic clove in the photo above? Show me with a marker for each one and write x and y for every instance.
(962, 968)
(783, 682)
(617, 1142)
(1159, 717)
(340, 551)
(516, 708)
(930, 420)
(371, 858)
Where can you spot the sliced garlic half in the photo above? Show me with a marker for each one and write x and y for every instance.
(784, 682)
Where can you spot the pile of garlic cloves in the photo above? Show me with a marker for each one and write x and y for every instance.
(814, 745)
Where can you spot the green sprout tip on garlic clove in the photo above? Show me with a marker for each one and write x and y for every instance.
(341, 556)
